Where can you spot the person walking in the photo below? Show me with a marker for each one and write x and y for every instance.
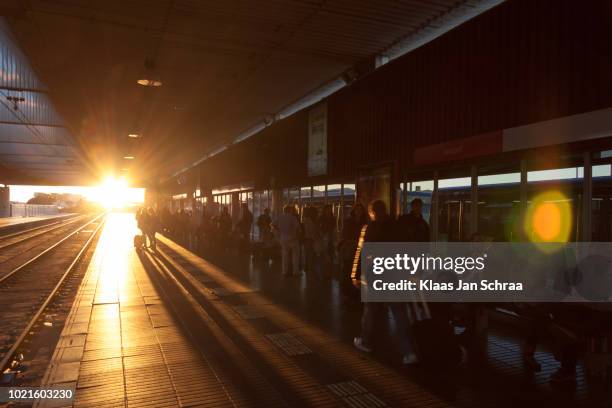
(311, 236)
(351, 230)
(151, 227)
(412, 227)
(264, 222)
(327, 226)
(287, 228)
(382, 229)
(244, 225)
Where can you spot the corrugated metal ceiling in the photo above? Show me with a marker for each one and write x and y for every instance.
(225, 65)
(34, 144)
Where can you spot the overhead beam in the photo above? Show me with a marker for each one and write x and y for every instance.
(14, 89)
(10, 122)
(34, 143)
(36, 155)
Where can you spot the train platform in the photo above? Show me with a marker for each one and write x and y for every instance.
(170, 328)
(9, 224)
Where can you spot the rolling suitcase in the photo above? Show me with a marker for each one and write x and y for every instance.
(433, 337)
(138, 241)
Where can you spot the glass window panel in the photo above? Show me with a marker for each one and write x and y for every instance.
(348, 196)
(601, 201)
(555, 174)
(424, 190)
(318, 191)
(602, 170)
(493, 179)
(294, 195)
(334, 198)
(334, 190)
(455, 182)
(454, 208)
(561, 188)
(349, 192)
(499, 207)
(318, 196)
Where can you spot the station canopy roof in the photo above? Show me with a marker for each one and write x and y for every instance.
(224, 68)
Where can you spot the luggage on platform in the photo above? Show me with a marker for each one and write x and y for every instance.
(434, 338)
(138, 241)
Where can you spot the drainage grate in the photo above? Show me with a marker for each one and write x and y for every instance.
(287, 342)
(355, 395)
(347, 388)
(363, 401)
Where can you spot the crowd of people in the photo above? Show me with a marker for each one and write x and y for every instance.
(309, 242)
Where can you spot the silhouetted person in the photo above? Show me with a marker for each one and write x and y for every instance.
(311, 237)
(245, 224)
(140, 221)
(224, 226)
(412, 227)
(287, 228)
(264, 222)
(151, 227)
(351, 230)
(327, 225)
(382, 229)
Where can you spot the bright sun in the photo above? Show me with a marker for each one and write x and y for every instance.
(112, 193)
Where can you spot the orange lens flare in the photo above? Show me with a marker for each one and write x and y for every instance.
(549, 218)
(547, 221)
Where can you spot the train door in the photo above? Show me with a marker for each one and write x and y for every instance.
(334, 198)
(451, 221)
(454, 208)
(499, 202)
(601, 201)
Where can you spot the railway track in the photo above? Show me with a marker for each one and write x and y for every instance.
(20, 247)
(19, 237)
(27, 290)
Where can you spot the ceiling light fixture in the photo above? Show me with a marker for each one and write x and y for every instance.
(149, 77)
(134, 135)
(149, 82)
(129, 157)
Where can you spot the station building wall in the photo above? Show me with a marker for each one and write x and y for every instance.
(519, 63)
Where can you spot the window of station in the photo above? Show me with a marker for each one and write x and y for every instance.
(601, 200)
(499, 203)
(226, 201)
(401, 197)
(305, 197)
(348, 191)
(555, 192)
(348, 199)
(294, 196)
(334, 198)
(318, 196)
(454, 208)
(265, 199)
(420, 188)
(257, 210)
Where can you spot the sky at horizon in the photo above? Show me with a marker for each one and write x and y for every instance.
(22, 194)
